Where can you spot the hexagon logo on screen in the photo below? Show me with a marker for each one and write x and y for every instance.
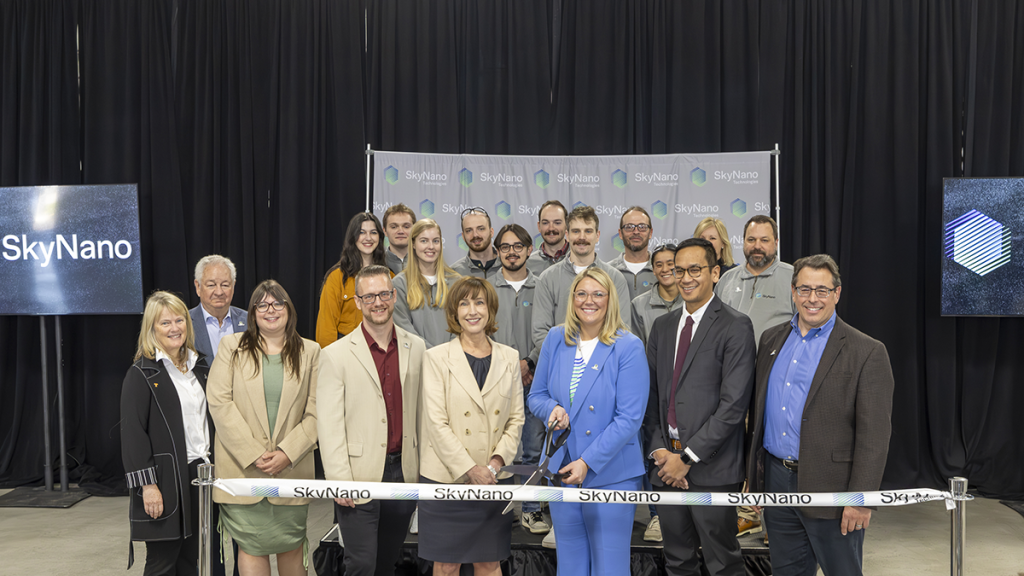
(978, 242)
(537, 241)
(617, 244)
(738, 207)
(503, 210)
(391, 174)
(462, 244)
(541, 178)
(426, 208)
(577, 205)
(659, 210)
(698, 176)
(465, 177)
(619, 178)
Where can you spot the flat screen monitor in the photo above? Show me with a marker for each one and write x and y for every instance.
(982, 260)
(70, 250)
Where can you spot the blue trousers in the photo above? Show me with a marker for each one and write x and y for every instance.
(594, 538)
(799, 544)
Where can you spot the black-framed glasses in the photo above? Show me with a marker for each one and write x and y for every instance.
(694, 271)
(517, 247)
(264, 306)
(820, 291)
(582, 295)
(385, 296)
(638, 227)
(474, 210)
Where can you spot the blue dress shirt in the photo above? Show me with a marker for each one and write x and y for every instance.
(217, 330)
(788, 385)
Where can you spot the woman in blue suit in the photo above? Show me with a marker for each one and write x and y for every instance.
(593, 374)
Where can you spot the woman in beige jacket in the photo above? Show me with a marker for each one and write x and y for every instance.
(473, 412)
(262, 396)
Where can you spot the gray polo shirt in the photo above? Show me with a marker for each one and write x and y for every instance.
(427, 322)
(467, 267)
(765, 298)
(393, 262)
(648, 307)
(552, 296)
(515, 315)
(637, 283)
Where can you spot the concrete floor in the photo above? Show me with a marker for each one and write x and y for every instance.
(92, 538)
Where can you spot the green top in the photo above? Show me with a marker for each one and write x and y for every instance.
(273, 381)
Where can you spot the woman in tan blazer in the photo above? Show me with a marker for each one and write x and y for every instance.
(262, 396)
(473, 412)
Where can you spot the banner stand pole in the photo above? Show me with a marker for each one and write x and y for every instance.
(61, 442)
(48, 459)
(778, 221)
(369, 155)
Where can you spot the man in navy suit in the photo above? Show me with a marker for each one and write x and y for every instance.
(215, 317)
(701, 358)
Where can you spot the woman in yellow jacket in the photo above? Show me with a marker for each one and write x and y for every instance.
(363, 246)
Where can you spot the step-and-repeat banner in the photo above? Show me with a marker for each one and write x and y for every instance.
(677, 190)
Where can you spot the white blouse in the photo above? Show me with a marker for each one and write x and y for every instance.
(193, 406)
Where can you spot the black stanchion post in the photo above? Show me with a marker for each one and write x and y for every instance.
(48, 462)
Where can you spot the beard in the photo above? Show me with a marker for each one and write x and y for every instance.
(372, 320)
(758, 260)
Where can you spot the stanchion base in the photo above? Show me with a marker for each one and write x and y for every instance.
(39, 498)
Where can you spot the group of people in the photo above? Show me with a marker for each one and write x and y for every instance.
(672, 368)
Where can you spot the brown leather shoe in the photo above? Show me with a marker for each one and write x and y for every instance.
(744, 526)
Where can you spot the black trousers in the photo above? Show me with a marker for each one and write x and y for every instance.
(373, 533)
(712, 528)
(181, 557)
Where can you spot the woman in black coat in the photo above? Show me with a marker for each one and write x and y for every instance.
(166, 432)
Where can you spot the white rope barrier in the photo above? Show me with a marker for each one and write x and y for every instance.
(282, 488)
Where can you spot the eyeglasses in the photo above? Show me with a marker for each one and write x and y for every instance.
(581, 296)
(517, 247)
(820, 292)
(693, 271)
(385, 296)
(638, 227)
(474, 210)
(264, 306)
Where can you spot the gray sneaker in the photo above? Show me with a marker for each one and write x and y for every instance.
(549, 540)
(414, 523)
(653, 532)
(534, 522)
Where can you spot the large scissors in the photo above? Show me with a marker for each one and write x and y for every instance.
(552, 443)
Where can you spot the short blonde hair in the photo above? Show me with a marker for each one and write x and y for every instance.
(723, 235)
(471, 287)
(612, 318)
(155, 305)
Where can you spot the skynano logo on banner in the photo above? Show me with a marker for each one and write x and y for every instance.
(676, 190)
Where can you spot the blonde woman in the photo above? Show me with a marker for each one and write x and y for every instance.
(422, 288)
(473, 416)
(713, 230)
(262, 396)
(593, 377)
(163, 400)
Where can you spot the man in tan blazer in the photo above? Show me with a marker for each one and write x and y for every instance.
(821, 423)
(369, 400)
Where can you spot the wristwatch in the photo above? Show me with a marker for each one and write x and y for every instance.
(531, 365)
(686, 458)
(493, 471)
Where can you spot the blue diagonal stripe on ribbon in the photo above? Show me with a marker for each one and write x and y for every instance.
(697, 498)
(549, 495)
(407, 495)
(265, 491)
(848, 499)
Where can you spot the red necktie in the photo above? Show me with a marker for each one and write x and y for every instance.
(684, 347)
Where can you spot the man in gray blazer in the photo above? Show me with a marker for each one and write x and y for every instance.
(821, 423)
(701, 358)
(215, 317)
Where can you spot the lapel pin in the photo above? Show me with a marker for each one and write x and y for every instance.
(406, 344)
(594, 367)
(773, 353)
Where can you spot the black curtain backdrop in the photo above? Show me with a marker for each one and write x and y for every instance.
(244, 123)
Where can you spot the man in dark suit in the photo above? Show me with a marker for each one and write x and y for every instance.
(821, 423)
(215, 317)
(701, 358)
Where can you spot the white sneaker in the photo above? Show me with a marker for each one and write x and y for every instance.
(549, 540)
(414, 524)
(653, 532)
(534, 523)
